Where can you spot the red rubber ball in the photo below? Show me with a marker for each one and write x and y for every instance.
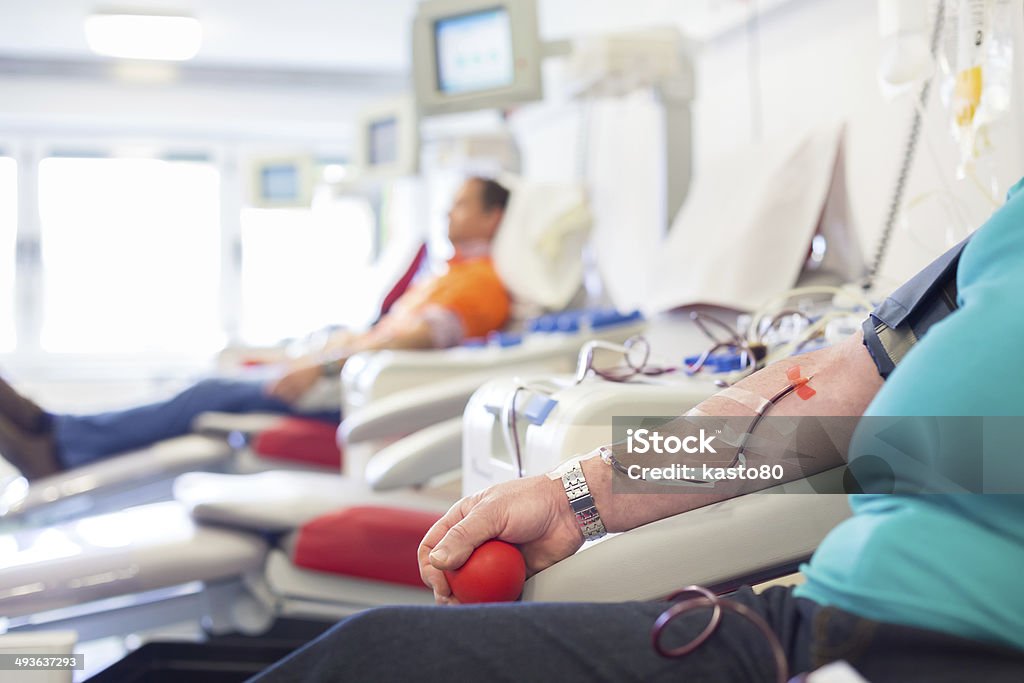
(495, 572)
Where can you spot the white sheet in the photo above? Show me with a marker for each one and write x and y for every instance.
(745, 230)
(626, 174)
(537, 249)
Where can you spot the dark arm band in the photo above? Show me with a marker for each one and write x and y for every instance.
(892, 329)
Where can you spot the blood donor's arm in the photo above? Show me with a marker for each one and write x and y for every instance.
(534, 512)
(845, 380)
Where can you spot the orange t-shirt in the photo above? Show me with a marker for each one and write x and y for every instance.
(471, 289)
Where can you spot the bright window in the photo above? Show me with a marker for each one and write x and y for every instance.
(302, 269)
(8, 235)
(130, 255)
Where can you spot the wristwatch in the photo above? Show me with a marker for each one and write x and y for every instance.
(582, 503)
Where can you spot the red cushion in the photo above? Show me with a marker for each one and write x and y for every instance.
(403, 283)
(370, 542)
(312, 442)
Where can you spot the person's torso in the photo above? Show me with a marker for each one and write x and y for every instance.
(950, 562)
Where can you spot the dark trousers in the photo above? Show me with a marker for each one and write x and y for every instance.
(82, 439)
(567, 643)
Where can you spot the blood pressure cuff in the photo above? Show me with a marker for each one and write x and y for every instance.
(905, 316)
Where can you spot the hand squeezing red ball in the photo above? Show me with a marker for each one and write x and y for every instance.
(495, 572)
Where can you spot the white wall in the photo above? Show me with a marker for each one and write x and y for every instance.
(818, 63)
(70, 105)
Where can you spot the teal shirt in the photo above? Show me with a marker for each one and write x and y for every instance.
(949, 562)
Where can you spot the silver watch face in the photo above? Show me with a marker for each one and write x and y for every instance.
(582, 503)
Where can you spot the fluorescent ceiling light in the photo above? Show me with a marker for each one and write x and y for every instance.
(144, 36)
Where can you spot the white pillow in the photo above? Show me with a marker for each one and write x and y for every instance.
(537, 251)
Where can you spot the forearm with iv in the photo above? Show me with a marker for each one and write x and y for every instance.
(845, 380)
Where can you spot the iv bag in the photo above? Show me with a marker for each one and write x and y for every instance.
(978, 61)
(998, 84)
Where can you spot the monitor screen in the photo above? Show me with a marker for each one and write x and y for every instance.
(382, 147)
(474, 52)
(280, 182)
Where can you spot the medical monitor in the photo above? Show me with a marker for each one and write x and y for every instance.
(382, 139)
(388, 142)
(281, 182)
(476, 54)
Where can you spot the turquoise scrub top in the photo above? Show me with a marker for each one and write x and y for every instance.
(949, 562)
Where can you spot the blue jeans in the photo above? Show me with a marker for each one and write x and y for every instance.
(82, 439)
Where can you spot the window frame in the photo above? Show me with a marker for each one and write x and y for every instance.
(227, 156)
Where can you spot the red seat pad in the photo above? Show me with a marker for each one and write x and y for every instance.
(370, 542)
(312, 442)
(403, 283)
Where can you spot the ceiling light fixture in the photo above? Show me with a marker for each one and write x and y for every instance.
(129, 35)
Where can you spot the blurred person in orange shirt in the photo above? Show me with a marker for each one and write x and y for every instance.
(467, 300)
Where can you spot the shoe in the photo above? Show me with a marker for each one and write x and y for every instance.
(35, 455)
(28, 416)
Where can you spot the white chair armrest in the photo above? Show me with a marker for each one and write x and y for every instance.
(222, 424)
(283, 500)
(411, 410)
(135, 550)
(162, 459)
(708, 546)
(417, 458)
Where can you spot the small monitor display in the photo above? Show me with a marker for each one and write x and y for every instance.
(474, 52)
(383, 141)
(280, 183)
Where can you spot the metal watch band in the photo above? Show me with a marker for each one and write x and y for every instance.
(582, 504)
